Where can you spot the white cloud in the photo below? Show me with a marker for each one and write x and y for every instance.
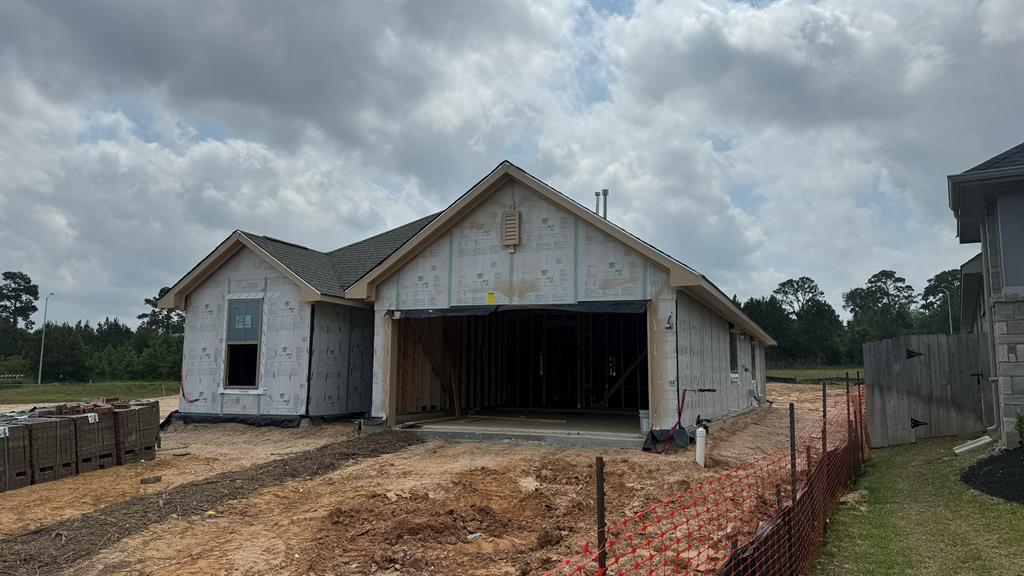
(754, 143)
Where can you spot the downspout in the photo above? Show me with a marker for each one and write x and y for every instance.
(309, 365)
(997, 415)
(994, 380)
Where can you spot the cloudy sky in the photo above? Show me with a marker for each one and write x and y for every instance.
(753, 142)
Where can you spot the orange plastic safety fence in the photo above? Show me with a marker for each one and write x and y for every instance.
(746, 521)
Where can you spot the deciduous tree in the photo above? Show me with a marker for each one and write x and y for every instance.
(18, 297)
(795, 293)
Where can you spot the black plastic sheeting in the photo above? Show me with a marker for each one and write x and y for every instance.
(667, 441)
(618, 307)
(278, 421)
(768, 552)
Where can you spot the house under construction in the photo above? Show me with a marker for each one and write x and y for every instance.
(516, 311)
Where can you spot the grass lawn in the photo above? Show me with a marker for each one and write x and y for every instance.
(919, 519)
(83, 391)
(823, 372)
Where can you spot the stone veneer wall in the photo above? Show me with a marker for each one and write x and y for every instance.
(1008, 319)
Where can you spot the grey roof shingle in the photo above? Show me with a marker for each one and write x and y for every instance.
(314, 267)
(332, 272)
(1012, 158)
(352, 262)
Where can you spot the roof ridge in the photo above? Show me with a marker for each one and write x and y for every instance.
(388, 231)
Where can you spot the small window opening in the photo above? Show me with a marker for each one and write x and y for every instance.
(242, 362)
(241, 368)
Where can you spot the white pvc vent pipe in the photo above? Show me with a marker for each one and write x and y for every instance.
(702, 438)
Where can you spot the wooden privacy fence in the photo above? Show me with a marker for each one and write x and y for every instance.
(922, 387)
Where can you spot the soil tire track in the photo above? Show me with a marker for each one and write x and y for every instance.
(53, 548)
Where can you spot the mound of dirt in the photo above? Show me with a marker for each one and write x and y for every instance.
(478, 519)
(1000, 475)
(52, 548)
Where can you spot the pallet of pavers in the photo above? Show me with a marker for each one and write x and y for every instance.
(106, 437)
(149, 427)
(137, 426)
(15, 469)
(126, 431)
(52, 448)
(54, 442)
(87, 439)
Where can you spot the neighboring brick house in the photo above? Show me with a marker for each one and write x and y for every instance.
(988, 203)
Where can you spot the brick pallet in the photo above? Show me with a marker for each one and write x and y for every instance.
(87, 440)
(52, 450)
(149, 428)
(106, 439)
(15, 470)
(126, 429)
(55, 442)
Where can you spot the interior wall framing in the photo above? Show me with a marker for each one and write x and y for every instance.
(530, 359)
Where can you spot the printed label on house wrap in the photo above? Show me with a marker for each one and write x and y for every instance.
(93, 417)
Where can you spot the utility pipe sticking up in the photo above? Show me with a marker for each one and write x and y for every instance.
(702, 436)
(604, 194)
(597, 202)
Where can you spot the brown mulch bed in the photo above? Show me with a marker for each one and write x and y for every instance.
(1000, 475)
(54, 547)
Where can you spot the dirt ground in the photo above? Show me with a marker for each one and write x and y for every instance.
(806, 397)
(188, 453)
(437, 507)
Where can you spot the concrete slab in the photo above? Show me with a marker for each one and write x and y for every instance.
(563, 429)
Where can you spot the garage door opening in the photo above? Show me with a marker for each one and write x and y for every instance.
(526, 369)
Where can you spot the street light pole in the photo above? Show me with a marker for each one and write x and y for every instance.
(42, 342)
(949, 309)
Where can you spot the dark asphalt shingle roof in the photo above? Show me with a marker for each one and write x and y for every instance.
(1012, 158)
(332, 272)
(352, 262)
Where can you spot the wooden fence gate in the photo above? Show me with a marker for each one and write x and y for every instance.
(922, 387)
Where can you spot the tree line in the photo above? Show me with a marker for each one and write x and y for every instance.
(81, 352)
(809, 331)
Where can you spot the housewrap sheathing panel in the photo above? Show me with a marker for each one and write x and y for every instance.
(704, 363)
(284, 341)
(341, 364)
(560, 260)
(564, 260)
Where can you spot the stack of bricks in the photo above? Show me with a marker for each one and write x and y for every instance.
(55, 442)
(1008, 316)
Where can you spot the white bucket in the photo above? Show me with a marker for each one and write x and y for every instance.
(645, 421)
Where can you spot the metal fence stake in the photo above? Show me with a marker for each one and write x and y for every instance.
(824, 430)
(602, 554)
(792, 486)
(792, 450)
(849, 423)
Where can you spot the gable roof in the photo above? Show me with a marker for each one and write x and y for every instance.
(319, 275)
(313, 267)
(1011, 158)
(680, 275)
